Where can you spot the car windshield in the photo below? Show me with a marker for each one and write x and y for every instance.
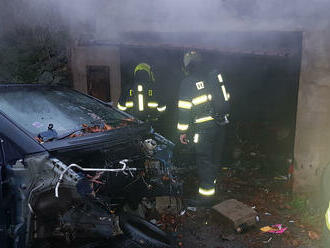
(34, 108)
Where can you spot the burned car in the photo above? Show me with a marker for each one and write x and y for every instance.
(70, 164)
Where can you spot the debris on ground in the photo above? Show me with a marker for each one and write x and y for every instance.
(278, 229)
(313, 235)
(153, 221)
(168, 204)
(255, 193)
(268, 240)
(194, 209)
(239, 214)
(281, 178)
(171, 222)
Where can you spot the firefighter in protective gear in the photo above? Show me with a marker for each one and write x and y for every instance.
(203, 113)
(142, 99)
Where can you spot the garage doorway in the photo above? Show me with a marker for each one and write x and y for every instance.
(98, 82)
(263, 85)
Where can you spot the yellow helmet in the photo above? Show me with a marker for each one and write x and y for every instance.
(147, 68)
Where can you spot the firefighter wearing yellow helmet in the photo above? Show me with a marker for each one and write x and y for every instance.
(142, 99)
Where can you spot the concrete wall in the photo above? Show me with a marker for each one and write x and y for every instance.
(312, 143)
(83, 56)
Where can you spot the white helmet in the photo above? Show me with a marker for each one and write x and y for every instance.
(191, 56)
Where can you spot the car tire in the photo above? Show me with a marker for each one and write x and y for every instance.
(143, 232)
(122, 241)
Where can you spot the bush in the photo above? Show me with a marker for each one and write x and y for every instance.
(27, 53)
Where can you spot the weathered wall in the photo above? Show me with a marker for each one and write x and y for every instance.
(83, 56)
(312, 143)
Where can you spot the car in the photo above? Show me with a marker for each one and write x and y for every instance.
(70, 164)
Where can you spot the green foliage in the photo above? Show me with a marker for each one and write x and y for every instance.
(26, 53)
(309, 211)
(299, 202)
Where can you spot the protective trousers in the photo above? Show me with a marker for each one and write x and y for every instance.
(209, 144)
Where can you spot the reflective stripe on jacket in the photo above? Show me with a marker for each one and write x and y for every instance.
(143, 95)
(327, 218)
(196, 101)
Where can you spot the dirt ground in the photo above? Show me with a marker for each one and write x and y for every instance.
(270, 196)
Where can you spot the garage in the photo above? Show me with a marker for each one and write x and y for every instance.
(78, 168)
(263, 77)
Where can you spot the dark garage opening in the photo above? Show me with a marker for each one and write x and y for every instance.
(262, 77)
(98, 82)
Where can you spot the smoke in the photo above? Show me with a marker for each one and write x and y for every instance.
(107, 18)
(45, 26)
(211, 15)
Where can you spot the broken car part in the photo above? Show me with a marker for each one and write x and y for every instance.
(123, 169)
(144, 232)
(94, 175)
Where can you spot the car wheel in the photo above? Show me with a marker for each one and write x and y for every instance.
(122, 241)
(143, 232)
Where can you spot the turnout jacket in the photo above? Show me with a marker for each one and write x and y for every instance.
(143, 97)
(202, 100)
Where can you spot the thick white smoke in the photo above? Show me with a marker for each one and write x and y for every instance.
(108, 17)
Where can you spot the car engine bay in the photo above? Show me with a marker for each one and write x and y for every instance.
(78, 194)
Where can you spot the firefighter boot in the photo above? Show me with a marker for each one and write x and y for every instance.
(205, 197)
(201, 201)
